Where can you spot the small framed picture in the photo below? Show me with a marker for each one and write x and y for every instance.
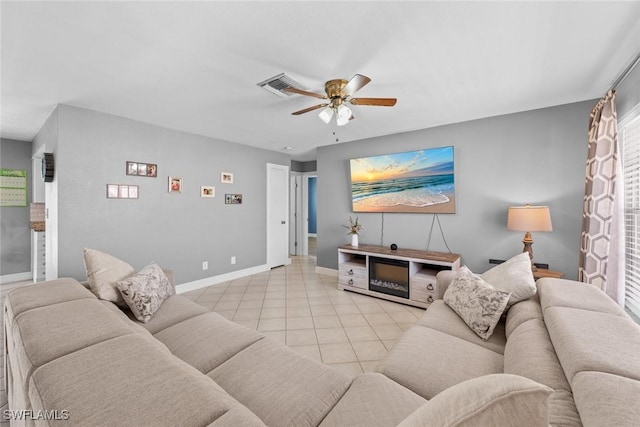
(112, 191)
(132, 168)
(175, 184)
(123, 191)
(208, 191)
(142, 169)
(226, 177)
(233, 199)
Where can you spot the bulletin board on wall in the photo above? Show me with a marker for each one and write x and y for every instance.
(13, 187)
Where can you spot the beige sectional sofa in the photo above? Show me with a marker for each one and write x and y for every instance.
(73, 359)
(570, 337)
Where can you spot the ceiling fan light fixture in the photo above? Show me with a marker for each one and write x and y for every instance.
(343, 115)
(326, 114)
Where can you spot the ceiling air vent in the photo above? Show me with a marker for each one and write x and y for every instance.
(277, 83)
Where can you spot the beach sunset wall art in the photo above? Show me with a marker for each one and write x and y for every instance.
(419, 181)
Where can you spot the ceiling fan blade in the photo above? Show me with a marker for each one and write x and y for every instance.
(356, 83)
(306, 110)
(382, 102)
(303, 92)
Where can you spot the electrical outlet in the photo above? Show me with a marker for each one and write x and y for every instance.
(205, 265)
(233, 260)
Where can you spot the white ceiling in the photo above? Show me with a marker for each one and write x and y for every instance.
(193, 66)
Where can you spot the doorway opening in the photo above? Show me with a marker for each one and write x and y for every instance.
(303, 233)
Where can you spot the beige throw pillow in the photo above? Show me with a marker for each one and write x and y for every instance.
(476, 302)
(103, 271)
(513, 276)
(145, 291)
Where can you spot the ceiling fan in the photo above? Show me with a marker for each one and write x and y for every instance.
(338, 93)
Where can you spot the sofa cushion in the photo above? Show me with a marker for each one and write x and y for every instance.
(207, 340)
(135, 326)
(568, 293)
(373, 400)
(427, 361)
(476, 302)
(513, 400)
(281, 386)
(237, 416)
(41, 294)
(584, 341)
(522, 312)
(442, 318)
(562, 410)
(530, 353)
(605, 399)
(70, 326)
(173, 310)
(103, 271)
(513, 276)
(145, 291)
(89, 385)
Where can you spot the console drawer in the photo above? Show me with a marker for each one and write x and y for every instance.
(352, 274)
(423, 286)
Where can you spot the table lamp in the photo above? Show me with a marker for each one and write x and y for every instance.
(529, 218)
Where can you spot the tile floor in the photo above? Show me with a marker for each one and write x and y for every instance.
(303, 310)
(307, 312)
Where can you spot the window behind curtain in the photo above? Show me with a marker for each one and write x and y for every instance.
(630, 131)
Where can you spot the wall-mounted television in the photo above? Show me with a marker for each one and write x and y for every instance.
(420, 181)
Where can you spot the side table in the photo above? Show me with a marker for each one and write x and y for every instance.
(541, 272)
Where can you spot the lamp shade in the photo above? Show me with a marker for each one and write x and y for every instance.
(343, 115)
(326, 114)
(529, 218)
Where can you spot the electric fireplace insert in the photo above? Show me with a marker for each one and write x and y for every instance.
(389, 276)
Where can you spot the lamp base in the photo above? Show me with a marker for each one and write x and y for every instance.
(528, 243)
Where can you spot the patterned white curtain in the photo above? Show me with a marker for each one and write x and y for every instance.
(602, 238)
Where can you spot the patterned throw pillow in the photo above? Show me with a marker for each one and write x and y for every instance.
(478, 303)
(145, 291)
(513, 276)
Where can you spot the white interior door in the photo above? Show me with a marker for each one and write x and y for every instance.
(277, 215)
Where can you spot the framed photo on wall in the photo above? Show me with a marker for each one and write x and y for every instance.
(142, 169)
(208, 191)
(132, 168)
(175, 184)
(233, 199)
(122, 191)
(112, 191)
(226, 177)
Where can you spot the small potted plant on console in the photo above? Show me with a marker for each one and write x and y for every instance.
(354, 228)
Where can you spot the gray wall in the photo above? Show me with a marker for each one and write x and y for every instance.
(310, 166)
(178, 231)
(535, 157)
(15, 234)
(628, 92)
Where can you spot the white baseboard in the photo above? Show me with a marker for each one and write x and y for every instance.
(221, 278)
(313, 234)
(16, 277)
(327, 271)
